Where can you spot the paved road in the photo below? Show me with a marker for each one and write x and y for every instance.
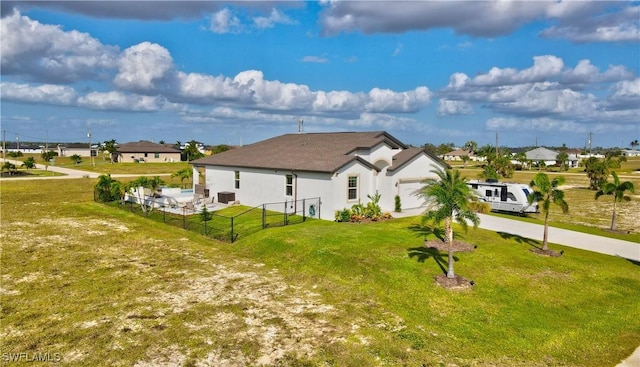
(68, 173)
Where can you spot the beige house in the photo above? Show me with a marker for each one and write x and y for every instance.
(147, 151)
(456, 155)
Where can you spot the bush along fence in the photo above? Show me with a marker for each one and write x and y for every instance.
(237, 220)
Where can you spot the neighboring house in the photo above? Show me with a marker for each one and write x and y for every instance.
(549, 157)
(147, 151)
(67, 150)
(631, 153)
(340, 168)
(456, 155)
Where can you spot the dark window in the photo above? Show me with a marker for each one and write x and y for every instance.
(156, 155)
(289, 185)
(487, 193)
(353, 187)
(237, 179)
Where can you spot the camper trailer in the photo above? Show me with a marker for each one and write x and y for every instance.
(505, 197)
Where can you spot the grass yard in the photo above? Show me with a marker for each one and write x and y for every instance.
(101, 165)
(100, 286)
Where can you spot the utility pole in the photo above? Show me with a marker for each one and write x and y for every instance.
(496, 144)
(4, 144)
(90, 153)
(300, 122)
(590, 138)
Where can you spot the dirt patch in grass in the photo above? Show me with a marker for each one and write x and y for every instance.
(456, 283)
(550, 253)
(235, 313)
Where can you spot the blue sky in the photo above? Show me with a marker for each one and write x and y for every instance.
(236, 73)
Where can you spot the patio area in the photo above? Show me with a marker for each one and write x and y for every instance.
(179, 201)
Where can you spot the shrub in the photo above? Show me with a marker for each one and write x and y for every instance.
(480, 207)
(343, 215)
(398, 204)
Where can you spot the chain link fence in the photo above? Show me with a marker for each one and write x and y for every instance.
(223, 227)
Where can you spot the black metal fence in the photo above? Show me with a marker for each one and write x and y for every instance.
(227, 227)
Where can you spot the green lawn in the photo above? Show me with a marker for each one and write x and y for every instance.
(101, 286)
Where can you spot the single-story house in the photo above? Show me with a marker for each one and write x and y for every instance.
(550, 157)
(340, 168)
(456, 155)
(147, 151)
(631, 153)
(67, 150)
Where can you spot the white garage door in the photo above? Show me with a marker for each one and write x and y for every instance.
(407, 189)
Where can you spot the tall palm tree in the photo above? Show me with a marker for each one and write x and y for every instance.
(547, 192)
(617, 190)
(450, 196)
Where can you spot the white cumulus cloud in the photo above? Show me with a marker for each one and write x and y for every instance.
(224, 21)
(45, 94)
(46, 53)
(141, 67)
(120, 101)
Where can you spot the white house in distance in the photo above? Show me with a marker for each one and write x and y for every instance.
(456, 155)
(340, 168)
(549, 157)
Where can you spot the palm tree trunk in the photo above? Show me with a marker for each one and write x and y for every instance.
(449, 233)
(545, 236)
(613, 217)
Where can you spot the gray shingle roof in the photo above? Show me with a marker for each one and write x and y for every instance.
(145, 146)
(541, 154)
(316, 152)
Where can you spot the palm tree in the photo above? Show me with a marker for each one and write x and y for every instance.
(450, 195)
(547, 192)
(105, 188)
(465, 159)
(617, 190)
(183, 174)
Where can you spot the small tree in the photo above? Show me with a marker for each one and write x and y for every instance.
(616, 189)
(76, 159)
(398, 204)
(521, 158)
(563, 157)
(107, 189)
(205, 216)
(465, 159)
(450, 196)
(29, 163)
(547, 192)
(47, 157)
(183, 174)
(9, 167)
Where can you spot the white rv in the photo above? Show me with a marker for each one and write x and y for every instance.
(505, 197)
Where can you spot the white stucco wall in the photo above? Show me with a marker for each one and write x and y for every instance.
(408, 179)
(259, 186)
